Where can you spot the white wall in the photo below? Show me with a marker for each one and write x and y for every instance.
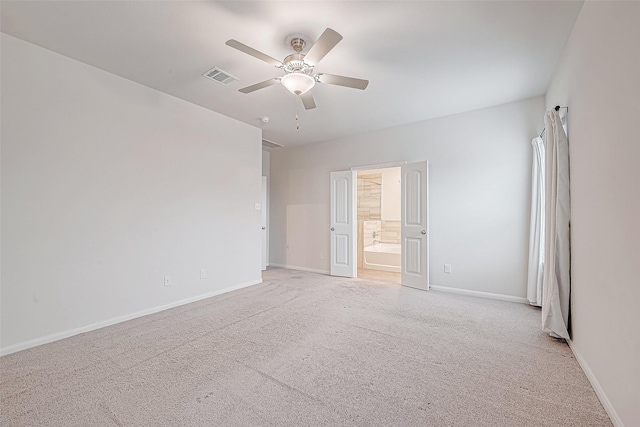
(108, 186)
(391, 194)
(480, 167)
(598, 79)
(266, 160)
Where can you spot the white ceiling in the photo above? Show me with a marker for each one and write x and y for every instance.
(424, 59)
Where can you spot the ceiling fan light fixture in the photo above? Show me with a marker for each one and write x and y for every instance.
(298, 83)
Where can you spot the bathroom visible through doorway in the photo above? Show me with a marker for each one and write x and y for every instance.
(378, 225)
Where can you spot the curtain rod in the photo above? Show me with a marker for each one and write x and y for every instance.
(557, 108)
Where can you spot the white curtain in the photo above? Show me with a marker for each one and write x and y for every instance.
(536, 225)
(556, 282)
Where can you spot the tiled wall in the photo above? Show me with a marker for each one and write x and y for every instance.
(390, 232)
(369, 208)
(369, 195)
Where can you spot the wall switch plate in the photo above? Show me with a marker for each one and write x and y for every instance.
(203, 273)
(447, 268)
(321, 255)
(167, 280)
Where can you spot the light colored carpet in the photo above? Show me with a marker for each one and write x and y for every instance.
(307, 349)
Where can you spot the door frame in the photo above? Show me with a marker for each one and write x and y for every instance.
(264, 219)
(379, 166)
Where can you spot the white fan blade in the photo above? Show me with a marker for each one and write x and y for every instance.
(255, 53)
(260, 85)
(308, 101)
(343, 81)
(322, 46)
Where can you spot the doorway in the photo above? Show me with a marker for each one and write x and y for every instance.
(378, 224)
(414, 224)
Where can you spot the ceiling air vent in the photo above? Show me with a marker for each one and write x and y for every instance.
(270, 144)
(217, 75)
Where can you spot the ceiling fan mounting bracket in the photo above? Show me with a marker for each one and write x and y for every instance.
(298, 42)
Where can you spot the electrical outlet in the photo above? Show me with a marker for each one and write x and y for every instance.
(203, 273)
(167, 280)
(321, 255)
(447, 268)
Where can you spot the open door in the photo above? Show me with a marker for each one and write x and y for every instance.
(343, 224)
(415, 225)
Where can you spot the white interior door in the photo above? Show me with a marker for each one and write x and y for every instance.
(415, 225)
(343, 224)
(265, 240)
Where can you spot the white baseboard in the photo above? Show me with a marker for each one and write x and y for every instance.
(71, 332)
(613, 415)
(295, 267)
(480, 294)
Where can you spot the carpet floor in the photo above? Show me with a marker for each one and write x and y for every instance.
(305, 349)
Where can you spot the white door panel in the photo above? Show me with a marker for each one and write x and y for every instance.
(415, 225)
(343, 225)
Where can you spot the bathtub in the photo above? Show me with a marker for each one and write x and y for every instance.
(382, 256)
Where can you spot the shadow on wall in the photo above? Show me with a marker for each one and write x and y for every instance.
(307, 220)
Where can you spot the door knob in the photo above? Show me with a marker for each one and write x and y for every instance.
(424, 231)
(264, 228)
(332, 229)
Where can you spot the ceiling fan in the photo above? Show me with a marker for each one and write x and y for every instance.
(298, 67)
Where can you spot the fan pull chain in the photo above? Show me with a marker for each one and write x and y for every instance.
(297, 117)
